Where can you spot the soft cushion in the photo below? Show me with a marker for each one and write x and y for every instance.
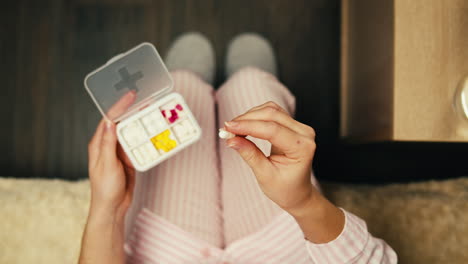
(41, 221)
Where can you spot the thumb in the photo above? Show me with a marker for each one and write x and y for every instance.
(109, 142)
(252, 155)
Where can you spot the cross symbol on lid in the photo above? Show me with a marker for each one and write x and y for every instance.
(128, 80)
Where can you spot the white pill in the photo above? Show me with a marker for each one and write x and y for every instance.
(225, 134)
(184, 130)
(145, 154)
(133, 134)
(154, 122)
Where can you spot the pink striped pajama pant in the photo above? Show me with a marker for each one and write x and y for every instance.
(207, 189)
(204, 205)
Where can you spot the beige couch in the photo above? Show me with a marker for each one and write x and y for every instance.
(41, 221)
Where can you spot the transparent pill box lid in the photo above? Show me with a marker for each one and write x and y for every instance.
(139, 71)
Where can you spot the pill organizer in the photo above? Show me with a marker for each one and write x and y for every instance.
(134, 90)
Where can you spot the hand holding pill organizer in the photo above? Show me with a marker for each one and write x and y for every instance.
(134, 90)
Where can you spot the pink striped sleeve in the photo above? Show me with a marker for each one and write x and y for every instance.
(354, 245)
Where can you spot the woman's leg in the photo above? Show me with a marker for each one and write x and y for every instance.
(185, 188)
(245, 208)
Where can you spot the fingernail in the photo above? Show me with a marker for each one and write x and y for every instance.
(108, 125)
(231, 123)
(233, 146)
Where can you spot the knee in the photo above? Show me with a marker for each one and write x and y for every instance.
(249, 72)
(189, 83)
(249, 76)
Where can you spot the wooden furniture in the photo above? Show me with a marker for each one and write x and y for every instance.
(401, 63)
(48, 117)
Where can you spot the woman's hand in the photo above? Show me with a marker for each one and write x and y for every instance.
(112, 178)
(111, 173)
(284, 176)
(112, 182)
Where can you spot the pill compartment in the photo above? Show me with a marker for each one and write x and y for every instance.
(133, 133)
(153, 122)
(184, 130)
(146, 153)
(134, 90)
(172, 111)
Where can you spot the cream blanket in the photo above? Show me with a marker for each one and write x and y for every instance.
(41, 221)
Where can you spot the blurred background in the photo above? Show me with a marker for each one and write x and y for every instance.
(47, 47)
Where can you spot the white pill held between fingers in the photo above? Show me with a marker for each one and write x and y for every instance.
(225, 134)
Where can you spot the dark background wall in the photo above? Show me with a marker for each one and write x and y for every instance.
(47, 47)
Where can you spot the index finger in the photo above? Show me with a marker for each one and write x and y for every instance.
(285, 139)
(122, 105)
(117, 109)
(268, 113)
(95, 143)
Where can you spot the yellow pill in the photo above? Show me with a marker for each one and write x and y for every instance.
(163, 141)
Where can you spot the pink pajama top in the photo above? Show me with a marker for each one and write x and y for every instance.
(155, 240)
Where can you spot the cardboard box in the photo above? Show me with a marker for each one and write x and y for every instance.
(401, 63)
